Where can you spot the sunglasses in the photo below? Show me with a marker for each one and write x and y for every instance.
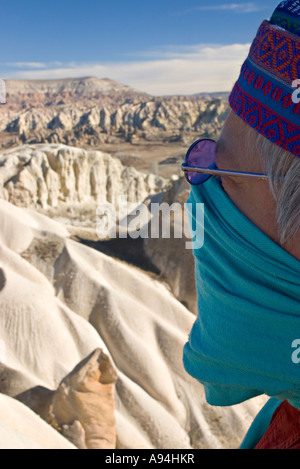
(200, 163)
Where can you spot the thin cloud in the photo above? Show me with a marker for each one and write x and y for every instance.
(249, 7)
(195, 52)
(26, 64)
(177, 70)
(34, 65)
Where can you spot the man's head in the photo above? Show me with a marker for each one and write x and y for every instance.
(247, 286)
(262, 132)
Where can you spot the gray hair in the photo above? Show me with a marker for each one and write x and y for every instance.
(286, 191)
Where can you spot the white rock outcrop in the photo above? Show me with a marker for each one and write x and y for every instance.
(69, 183)
(47, 175)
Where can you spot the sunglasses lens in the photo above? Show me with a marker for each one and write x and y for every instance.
(202, 155)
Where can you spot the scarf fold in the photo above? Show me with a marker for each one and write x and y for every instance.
(248, 291)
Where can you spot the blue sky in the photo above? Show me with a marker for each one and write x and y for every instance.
(161, 47)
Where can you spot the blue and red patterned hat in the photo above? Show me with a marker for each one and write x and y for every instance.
(264, 94)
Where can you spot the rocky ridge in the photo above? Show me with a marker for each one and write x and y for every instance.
(89, 112)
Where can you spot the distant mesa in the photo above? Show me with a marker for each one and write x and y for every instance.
(84, 86)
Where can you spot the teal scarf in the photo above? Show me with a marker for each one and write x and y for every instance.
(248, 291)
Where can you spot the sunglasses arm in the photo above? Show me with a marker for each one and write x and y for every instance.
(220, 172)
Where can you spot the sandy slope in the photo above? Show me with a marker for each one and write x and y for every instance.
(59, 301)
(21, 428)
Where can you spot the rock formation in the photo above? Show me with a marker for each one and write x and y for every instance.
(69, 183)
(80, 188)
(83, 406)
(89, 112)
(62, 301)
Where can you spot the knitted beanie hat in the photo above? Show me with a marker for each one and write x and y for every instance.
(265, 95)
